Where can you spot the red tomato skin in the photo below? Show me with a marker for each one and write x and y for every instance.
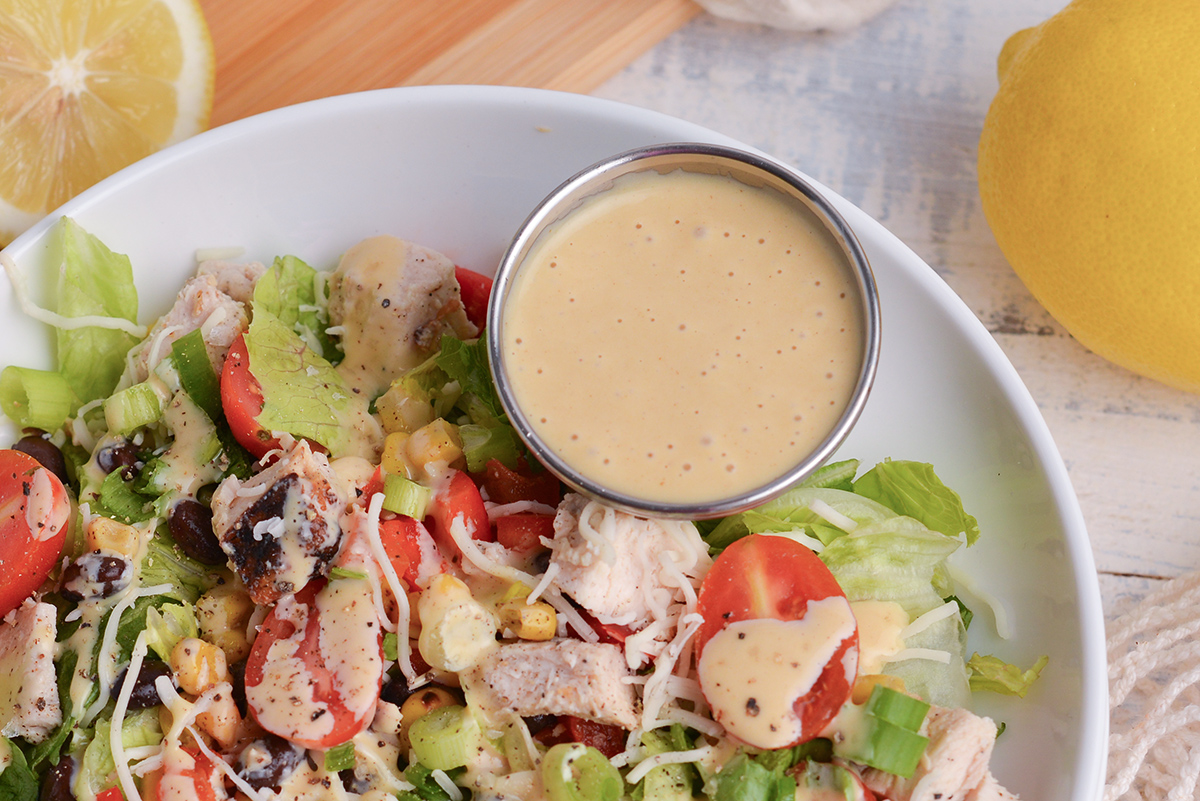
(604, 737)
(611, 633)
(401, 539)
(202, 774)
(504, 485)
(476, 291)
(459, 496)
(242, 401)
(274, 628)
(111, 794)
(764, 576)
(524, 531)
(24, 560)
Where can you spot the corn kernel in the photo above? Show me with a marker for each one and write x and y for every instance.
(394, 458)
(536, 621)
(399, 411)
(436, 442)
(864, 684)
(224, 615)
(198, 665)
(106, 534)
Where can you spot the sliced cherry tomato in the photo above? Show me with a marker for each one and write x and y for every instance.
(34, 512)
(524, 531)
(290, 684)
(604, 737)
(458, 497)
(242, 401)
(476, 290)
(186, 775)
(401, 537)
(762, 576)
(111, 794)
(504, 485)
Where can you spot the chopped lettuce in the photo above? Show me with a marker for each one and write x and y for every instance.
(302, 393)
(467, 363)
(913, 489)
(167, 625)
(93, 281)
(744, 779)
(164, 563)
(289, 292)
(96, 769)
(995, 675)
(793, 511)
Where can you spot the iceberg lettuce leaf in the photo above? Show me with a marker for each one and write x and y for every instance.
(93, 281)
(995, 675)
(289, 291)
(913, 489)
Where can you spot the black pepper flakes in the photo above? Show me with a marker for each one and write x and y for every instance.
(752, 707)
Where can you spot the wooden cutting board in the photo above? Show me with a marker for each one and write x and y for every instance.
(273, 53)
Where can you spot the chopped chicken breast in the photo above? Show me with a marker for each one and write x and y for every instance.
(562, 677)
(954, 766)
(200, 304)
(235, 279)
(29, 705)
(393, 301)
(280, 528)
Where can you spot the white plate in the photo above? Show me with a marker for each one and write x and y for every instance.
(458, 168)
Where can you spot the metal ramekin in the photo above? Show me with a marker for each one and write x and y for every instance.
(743, 166)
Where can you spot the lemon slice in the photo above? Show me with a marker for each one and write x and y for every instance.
(90, 86)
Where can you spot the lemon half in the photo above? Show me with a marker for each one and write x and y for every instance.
(90, 86)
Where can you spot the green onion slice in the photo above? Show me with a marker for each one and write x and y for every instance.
(196, 373)
(575, 772)
(445, 738)
(35, 398)
(340, 757)
(405, 497)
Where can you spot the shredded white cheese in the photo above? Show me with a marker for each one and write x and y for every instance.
(928, 619)
(496, 510)
(403, 612)
(116, 742)
(669, 758)
(106, 663)
(833, 516)
(57, 320)
(932, 654)
(999, 610)
(447, 784)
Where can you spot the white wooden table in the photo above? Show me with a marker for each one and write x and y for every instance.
(889, 115)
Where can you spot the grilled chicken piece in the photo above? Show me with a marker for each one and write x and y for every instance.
(393, 300)
(954, 766)
(280, 528)
(562, 677)
(235, 279)
(200, 304)
(29, 705)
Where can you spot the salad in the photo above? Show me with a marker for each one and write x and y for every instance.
(283, 544)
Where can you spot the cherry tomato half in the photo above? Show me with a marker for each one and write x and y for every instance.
(763, 576)
(458, 497)
(34, 513)
(523, 484)
(524, 531)
(242, 401)
(476, 290)
(289, 687)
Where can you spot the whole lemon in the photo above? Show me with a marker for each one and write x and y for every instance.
(1089, 176)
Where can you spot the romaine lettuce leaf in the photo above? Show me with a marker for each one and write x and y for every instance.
(95, 772)
(17, 781)
(93, 281)
(913, 489)
(792, 511)
(303, 395)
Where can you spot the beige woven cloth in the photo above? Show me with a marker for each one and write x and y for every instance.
(1154, 696)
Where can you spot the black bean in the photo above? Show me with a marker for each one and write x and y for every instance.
(56, 786)
(145, 695)
(46, 452)
(268, 762)
(541, 562)
(395, 691)
(237, 677)
(95, 575)
(190, 523)
(123, 457)
(537, 723)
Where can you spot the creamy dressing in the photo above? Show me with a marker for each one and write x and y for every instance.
(879, 627)
(753, 671)
(684, 337)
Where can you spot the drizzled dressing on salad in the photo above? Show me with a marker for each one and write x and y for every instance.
(284, 612)
(684, 337)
